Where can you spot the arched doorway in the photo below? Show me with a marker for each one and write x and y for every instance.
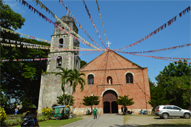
(109, 102)
(114, 106)
(106, 107)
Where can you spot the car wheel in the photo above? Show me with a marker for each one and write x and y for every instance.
(187, 116)
(165, 116)
(58, 118)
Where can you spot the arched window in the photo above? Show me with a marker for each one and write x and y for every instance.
(59, 61)
(90, 79)
(129, 78)
(61, 43)
(109, 80)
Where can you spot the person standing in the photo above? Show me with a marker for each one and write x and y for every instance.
(16, 110)
(95, 113)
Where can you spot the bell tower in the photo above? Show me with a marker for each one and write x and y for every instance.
(60, 41)
(50, 86)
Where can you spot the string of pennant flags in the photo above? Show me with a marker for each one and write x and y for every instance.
(157, 50)
(46, 48)
(67, 9)
(70, 32)
(40, 59)
(158, 57)
(93, 23)
(158, 29)
(13, 43)
(38, 2)
(24, 46)
(79, 38)
(35, 46)
(31, 37)
(101, 21)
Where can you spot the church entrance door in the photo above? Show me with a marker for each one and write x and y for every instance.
(106, 107)
(109, 102)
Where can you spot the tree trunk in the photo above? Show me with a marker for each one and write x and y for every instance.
(63, 93)
(91, 109)
(70, 98)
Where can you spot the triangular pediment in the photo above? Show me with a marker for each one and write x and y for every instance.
(109, 60)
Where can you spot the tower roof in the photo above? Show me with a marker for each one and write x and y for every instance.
(67, 18)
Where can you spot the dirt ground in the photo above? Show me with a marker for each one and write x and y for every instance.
(144, 120)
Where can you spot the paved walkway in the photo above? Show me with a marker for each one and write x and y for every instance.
(105, 120)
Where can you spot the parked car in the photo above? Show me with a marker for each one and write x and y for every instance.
(165, 111)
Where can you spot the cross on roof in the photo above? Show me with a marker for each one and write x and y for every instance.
(108, 44)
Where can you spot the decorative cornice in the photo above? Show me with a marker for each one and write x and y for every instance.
(111, 69)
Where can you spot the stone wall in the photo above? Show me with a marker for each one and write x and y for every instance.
(50, 88)
(81, 111)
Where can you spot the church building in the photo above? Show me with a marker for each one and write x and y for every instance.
(111, 75)
(107, 76)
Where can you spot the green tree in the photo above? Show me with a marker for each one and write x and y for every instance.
(183, 88)
(125, 101)
(3, 99)
(22, 79)
(65, 99)
(158, 96)
(175, 82)
(82, 63)
(75, 78)
(90, 101)
(65, 75)
(10, 20)
(19, 80)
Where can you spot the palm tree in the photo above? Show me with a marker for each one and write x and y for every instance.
(65, 75)
(75, 78)
(125, 101)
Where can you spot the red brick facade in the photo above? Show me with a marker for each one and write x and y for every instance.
(111, 64)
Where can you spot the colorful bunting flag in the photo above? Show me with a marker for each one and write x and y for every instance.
(39, 59)
(157, 30)
(93, 23)
(101, 21)
(64, 24)
(158, 57)
(157, 50)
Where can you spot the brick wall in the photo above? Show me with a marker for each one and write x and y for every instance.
(111, 64)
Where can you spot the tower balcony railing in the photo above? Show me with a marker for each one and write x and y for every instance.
(109, 85)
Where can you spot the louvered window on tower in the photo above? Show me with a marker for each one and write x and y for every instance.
(61, 43)
(59, 61)
(129, 78)
(90, 79)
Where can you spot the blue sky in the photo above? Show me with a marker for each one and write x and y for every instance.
(125, 22)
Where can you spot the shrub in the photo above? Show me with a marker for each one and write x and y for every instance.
(42, 118)
(13, 122)
(3, 115)
(47, 112)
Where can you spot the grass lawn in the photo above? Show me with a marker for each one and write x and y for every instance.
(155, 121)
(165, 125)
(56, 123)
